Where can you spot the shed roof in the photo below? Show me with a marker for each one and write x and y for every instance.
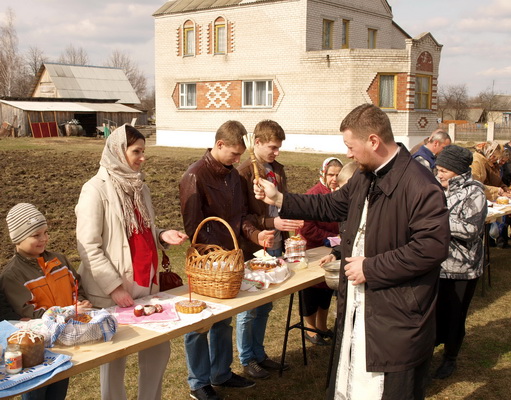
(89, 82)
(69, 106)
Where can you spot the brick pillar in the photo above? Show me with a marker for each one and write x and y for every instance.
(490, 133)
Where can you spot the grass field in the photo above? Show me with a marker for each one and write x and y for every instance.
(49, 173)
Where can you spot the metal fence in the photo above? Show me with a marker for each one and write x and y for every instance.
(478, 132)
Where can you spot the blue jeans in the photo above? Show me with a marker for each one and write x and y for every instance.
(251, 328)
(250, 331)
(55, 391)
(209, 363)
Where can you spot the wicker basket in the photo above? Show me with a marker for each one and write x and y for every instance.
(203, 277)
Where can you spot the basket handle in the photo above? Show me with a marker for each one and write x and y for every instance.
(219, 220)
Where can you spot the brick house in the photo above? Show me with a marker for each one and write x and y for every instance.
(302, 63)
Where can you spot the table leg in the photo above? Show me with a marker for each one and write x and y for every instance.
(286, 334)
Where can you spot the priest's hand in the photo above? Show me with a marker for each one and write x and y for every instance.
(266, 191)
(354, 270)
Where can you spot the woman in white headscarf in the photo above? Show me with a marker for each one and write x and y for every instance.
(117, 242)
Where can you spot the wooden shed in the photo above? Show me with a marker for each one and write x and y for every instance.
(21, 113)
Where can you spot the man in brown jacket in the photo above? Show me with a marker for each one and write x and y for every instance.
(212, 187)
(395, 238)
(251, 324)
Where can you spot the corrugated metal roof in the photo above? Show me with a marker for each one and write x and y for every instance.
(69, 106)
(88, 82)
(179, 6)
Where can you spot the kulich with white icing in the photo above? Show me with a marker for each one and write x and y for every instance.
(31, 346)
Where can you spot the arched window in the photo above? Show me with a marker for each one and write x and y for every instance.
(220, 36)
(189, 38)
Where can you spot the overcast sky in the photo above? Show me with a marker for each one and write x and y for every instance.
(476, 37)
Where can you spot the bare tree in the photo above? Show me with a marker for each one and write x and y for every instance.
(453, 102)
(10, 60)
(492, 104)
(138, 80)
(35, 58)
(74, 56)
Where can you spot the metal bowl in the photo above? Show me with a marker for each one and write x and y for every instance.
(332, 269)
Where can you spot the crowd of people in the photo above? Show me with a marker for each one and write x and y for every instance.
(407, 228)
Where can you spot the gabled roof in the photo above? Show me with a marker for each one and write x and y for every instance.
(181, 6)
(88, 82)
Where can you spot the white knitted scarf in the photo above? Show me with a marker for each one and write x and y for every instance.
(128, 183)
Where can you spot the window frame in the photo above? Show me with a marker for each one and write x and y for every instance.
(183, 95)
(420, 93)
(345, 34)
(374, 33)
(330, 23)
(268, 95)
(186, 30)
(217, 36)
(394, 91)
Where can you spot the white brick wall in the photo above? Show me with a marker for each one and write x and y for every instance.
(318, 87)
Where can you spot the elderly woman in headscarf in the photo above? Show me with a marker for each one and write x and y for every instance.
(463, 267)
(117, 242)
(486, 156)
(316, 299)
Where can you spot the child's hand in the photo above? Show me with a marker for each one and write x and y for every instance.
(84, 304)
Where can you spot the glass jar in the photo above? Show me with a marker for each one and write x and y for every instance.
(13, 359)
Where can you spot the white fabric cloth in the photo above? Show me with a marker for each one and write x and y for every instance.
(128, 184)
(353, 382)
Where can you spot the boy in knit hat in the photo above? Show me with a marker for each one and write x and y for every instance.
(36, 279)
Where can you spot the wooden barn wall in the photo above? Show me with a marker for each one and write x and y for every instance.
(23, 119)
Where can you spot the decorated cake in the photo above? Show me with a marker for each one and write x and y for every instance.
(190, 306)
(31, 346)
(263, 263)
(502, 200)
(295, 248)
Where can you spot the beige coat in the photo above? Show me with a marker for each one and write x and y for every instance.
(482, 172)
(102, 241)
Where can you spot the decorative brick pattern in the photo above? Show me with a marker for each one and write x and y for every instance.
(218, 94)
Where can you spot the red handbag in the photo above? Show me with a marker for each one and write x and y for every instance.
(168, 279)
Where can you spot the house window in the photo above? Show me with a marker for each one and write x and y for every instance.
(328, 28)
(257, 94)
(345, 39)
(371, 38)
(220, 36)
(422, 92)
(187, 95)
(189, 39)
(387, 93)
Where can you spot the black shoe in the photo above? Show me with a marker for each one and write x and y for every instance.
(445, 370)
(316, 339)
(254, 370)
(270, 364)
(204, 393)
(236, 381)
(328, 334)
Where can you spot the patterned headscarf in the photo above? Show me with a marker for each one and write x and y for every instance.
(324, 169)
(488, 148)
(127, 183)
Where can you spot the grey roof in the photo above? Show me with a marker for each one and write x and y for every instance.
(90, 82)
(182, 6)
(69, 106)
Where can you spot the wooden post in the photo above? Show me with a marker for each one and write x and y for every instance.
(30, 123)
(452, 132)
(42, 116)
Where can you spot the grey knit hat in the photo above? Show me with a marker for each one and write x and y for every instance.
(23, 220)
(455, 158)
